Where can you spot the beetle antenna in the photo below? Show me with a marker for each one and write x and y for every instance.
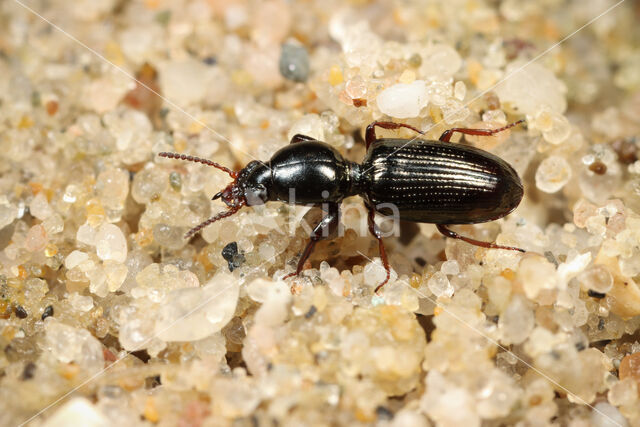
(211, 220)
(510, 125)
(178, 156)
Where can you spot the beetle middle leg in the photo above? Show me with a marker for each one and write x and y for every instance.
(375, 231)
(370, 133)
(450, 233)
(447, 134)
(324, 229)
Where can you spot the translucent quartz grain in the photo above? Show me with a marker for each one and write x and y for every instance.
(111, 243)
(623, 392)
(517, 321)
(36, 238)
(7, 214)
(39, 207)
(450, 267)
(605, 415)
(78, 408)
(597, 279)
(536, 274)
(113, 187)
(439, 285)
(552, 174)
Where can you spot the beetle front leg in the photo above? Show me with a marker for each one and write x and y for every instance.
(370, 133)
(450, 233)
(447, 134)
(375, 231)
(325, 228)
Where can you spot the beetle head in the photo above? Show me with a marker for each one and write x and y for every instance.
(251, 186)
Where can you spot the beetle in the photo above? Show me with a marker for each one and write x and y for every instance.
(429, 181)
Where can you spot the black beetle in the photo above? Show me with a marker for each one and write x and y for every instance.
(428, 181)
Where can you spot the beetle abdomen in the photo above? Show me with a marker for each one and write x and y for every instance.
(440, 182)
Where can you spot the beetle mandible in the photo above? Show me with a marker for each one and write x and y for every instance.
(428, 181)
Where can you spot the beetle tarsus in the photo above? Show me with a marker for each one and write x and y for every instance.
(452, 234)
(447, 134)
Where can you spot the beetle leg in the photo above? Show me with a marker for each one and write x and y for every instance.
(300, 138)
(324, 229)
(375, 231)
(446, 135)
(370, 133)
(450, 233)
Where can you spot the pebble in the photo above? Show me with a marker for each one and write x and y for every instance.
(78, 408)
(231, 255)
(75, 258)
(403, 100)
(148, 184)
(623, 392)
(440, 62)
(531, 86)
(115, 273)
(517, 321)
(294, 62)
(131, 130)
(7, 214)
(536, 274)
(36, 238)
(195, 313)
(606, 415)
(559, 129)
(630, 367)
(54, 224)
(170, 237)
(552, 174)
(182, 81)
(48, 312)
(450, 267)
(104, 93)
(39, 207)
(112, 186)
(439, 285)
(597, 279)
(460, 91)
(69, 344)
(86, 234)
(79, 302)
(111, 243)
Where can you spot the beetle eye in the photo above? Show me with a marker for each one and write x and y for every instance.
(256, 195)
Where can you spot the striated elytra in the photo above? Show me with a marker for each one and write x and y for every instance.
(421, 180)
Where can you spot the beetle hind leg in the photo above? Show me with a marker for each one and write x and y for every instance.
(452, 234)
